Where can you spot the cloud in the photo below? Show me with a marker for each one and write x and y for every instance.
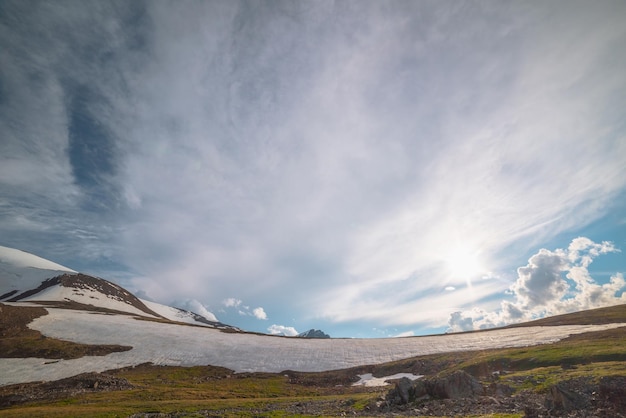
(195, 306)
(540, 283)
(553, 282)
(259, 313)
(244, 310)
(282, 330)
(231, 302)
(323, 159)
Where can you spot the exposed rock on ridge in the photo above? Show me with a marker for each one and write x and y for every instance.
(88, 283)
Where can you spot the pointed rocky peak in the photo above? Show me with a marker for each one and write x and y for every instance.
(313, 333)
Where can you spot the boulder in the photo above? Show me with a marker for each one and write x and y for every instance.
(560, 398)
(404, 390)
(455, 386)
(500, 391)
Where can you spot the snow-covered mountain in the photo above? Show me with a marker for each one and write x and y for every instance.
(21, 271)
(181, 315)
(25, 277)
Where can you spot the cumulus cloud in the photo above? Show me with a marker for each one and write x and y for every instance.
(553, 282)
(539, 283)
(244, 310)
(282, 330)
(259, 313)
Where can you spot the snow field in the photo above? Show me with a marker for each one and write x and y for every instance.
(85, 296)
(180, 345)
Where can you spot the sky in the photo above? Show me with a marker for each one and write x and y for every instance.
(367, 168)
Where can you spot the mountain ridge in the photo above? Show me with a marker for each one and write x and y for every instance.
(25, 277)
(82, 286)
(313, 333)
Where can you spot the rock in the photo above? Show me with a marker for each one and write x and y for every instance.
(563, 399)
(500, 391)
(613, 390)
(313, 333)
(455, 386)
(420, 390)
(59, 389)
(403, 390)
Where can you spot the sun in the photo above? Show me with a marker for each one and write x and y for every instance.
(463, 263)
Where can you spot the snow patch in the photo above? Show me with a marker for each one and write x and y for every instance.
(369, 380)
(86, 296)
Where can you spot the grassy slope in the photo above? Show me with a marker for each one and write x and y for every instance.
(607, 315)
(171, 389)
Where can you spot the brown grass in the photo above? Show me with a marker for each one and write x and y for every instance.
(19, 341)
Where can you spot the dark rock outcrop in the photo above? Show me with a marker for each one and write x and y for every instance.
(460, 394)
(562, 399)
(457, 385)
(454, 386)
(59, 389)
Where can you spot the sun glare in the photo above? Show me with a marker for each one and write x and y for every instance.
(463, 263)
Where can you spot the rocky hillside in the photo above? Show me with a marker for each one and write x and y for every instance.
(88, 290)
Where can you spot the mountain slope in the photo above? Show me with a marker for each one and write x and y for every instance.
(182, 315)
(313, 333)
(86, 290)
(21, 271)
(606, 315)
(25, 277)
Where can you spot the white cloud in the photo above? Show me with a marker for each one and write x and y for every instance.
(322, 159)
(322, 199)
(259, 313)
(282, 330)
(244, 310)
(539, 283)
(553, 282)
(195, 306)
(405, 334)
(231, 302)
